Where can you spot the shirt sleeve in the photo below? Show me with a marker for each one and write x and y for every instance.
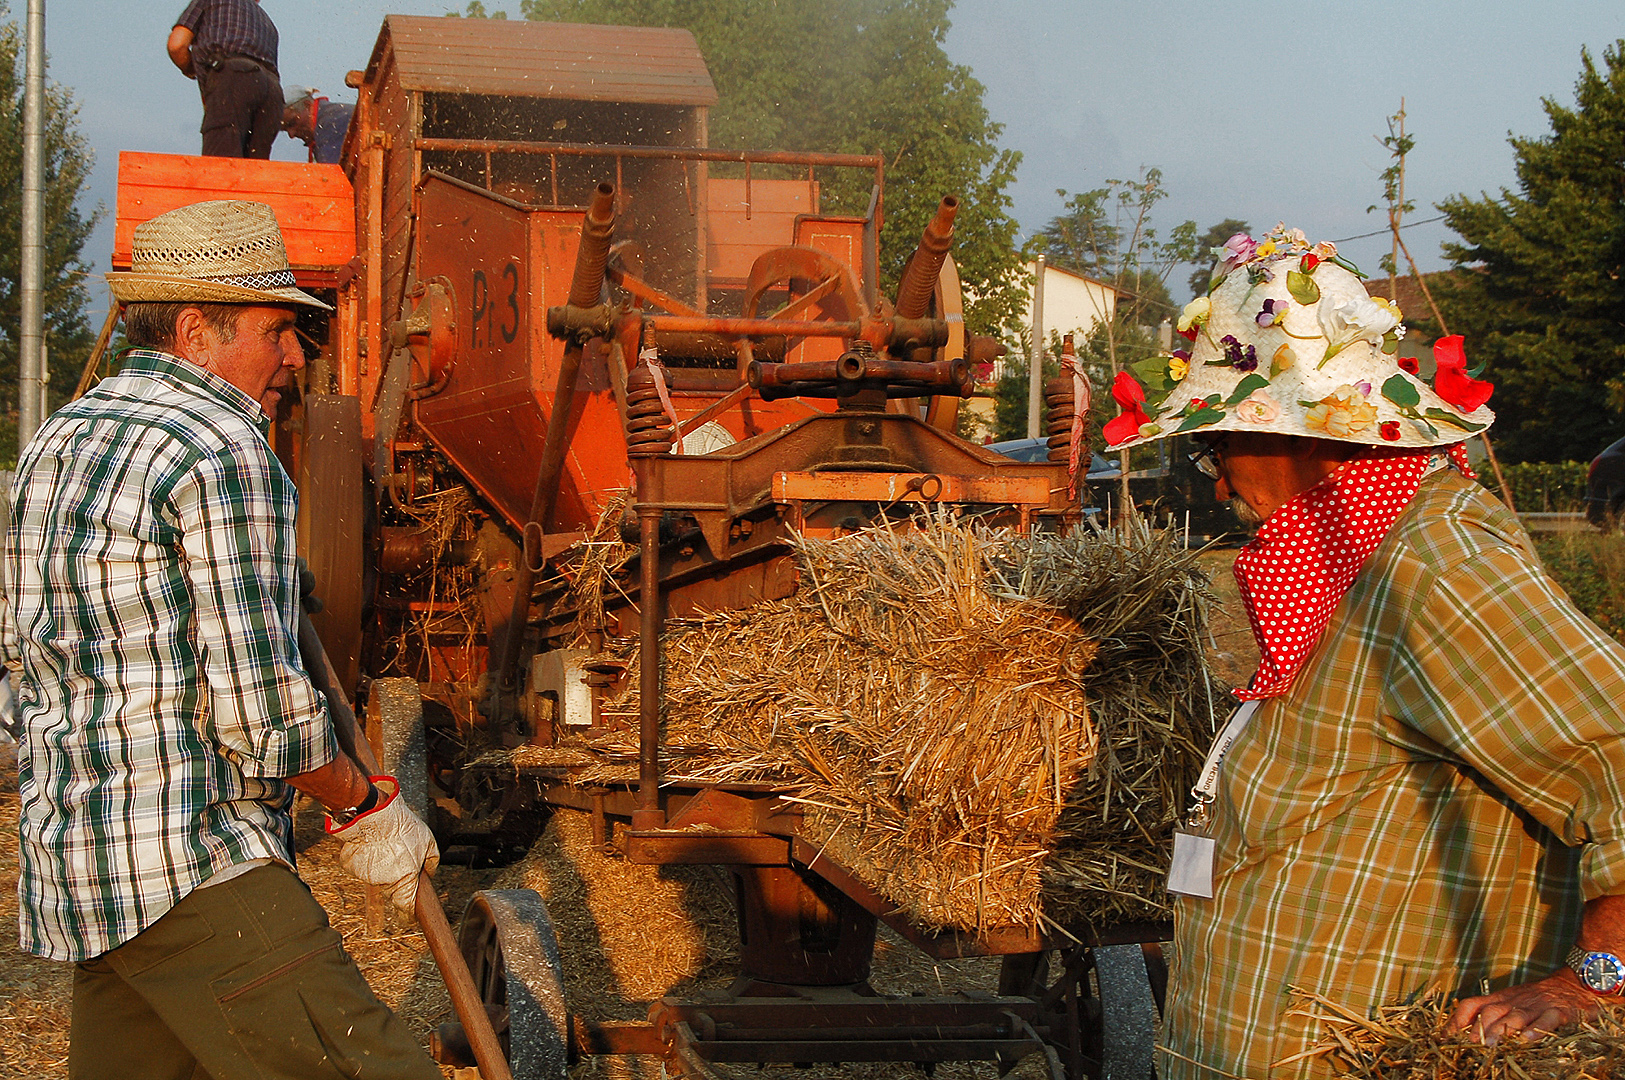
(235, 514)
(193, 15)
(1499, 669)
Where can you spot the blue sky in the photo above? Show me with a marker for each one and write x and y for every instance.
(1251, 110)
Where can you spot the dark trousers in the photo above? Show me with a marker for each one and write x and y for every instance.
(242, 109)
(240, 981)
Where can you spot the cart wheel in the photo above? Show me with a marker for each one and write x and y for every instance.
(1105, 1037)
(507, 939)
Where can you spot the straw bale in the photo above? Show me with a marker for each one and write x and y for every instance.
(991, 730)
(1408, 1041)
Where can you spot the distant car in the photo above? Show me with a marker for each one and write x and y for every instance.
(1605, 487)
(1038, 450)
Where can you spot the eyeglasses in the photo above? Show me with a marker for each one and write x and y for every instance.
(1207, 457)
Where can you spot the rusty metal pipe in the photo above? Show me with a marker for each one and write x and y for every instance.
(941, 375)
(597, 231)
(592, 257)
(743, 327)
(920, 276)
(648, 655)
(675, 153)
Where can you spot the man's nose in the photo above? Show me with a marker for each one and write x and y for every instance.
(1221, 490)
(293, 353)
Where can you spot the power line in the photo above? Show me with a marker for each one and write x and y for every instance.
(1384, 232)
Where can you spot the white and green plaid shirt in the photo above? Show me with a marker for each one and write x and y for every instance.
(151, 627)
(1428, 805)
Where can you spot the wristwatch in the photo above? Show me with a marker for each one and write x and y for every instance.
(1600, 972)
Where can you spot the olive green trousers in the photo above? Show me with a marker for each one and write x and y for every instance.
(244, 980)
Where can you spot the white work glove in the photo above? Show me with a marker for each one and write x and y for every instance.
(387, 846)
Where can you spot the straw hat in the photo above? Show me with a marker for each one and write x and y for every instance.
(226, 252)
(1289, 342)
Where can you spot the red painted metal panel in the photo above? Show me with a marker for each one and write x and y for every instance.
(911, 487)
(314, 204)
(486, 419)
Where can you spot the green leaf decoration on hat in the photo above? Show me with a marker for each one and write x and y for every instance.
(1244, 389)
(1201, 412)
(1454, 421)
(1402, 392)
(1390, 343)
(1303, 288)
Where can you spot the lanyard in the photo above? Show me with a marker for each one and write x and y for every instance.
(1207, 782)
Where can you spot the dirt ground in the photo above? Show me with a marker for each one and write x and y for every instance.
(627, 934)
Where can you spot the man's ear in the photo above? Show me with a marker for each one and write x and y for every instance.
(191, 336)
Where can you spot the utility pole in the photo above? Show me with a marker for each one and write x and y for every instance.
(1035, 369)
(31, 355)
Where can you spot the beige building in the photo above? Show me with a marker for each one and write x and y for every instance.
(1073, 304)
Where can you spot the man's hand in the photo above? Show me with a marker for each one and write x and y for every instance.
(1529, 1011)
(1535, 1009)
(387, 846)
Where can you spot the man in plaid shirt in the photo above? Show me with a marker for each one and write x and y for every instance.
(150, 615)
(1426, 786)
(230, 48)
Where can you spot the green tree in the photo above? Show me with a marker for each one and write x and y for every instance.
(856, 76)
(1541, 295)
(1109, 235)
(1206, 261)
(68, 161)
(476, 10)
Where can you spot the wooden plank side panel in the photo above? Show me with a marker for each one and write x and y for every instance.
(314, 204)
(394, 118)
(733, 239)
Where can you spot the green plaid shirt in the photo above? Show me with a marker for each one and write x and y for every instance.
(1428, 805)
(151, 626)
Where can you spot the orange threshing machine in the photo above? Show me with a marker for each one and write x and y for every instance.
(548, 287)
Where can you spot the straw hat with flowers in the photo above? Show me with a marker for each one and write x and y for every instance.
(1288, 341)
(224, 252)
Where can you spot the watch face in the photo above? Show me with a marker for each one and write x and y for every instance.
(1602, 972)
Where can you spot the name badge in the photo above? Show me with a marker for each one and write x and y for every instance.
(1191, 871)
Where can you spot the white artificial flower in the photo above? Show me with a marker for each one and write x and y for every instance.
(1359, 319)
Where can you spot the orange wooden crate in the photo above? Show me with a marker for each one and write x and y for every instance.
(314, 204)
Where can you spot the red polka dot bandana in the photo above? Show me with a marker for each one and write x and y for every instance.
(1295, 571)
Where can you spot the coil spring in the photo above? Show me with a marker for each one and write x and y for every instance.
(1058, 396)
(649, 430)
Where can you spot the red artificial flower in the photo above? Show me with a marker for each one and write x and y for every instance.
(1309, 261)
(1190, 335)
(1389, 429)
(1452, 382)
(1130, 395)
(1408, 365)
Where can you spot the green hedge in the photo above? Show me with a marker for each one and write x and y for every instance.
(1591, 568)
(1542, 487)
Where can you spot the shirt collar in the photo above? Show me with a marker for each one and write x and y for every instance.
(172, 369)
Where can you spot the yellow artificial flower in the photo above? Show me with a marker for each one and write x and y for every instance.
(1342, 414)
(1178, 368)
(1195, 314)
(1283, 359)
